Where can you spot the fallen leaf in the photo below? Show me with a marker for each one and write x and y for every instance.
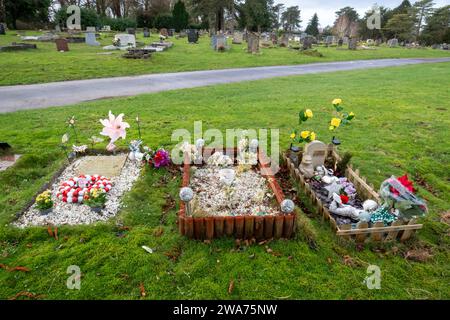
(23, 269)
(231, 287)
(50, 232)
(142, 290)
(158, 232)
(29, 245)
(418, 255)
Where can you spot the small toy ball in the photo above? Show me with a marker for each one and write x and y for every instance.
(369, 205)
(186, 194)
(287, 206)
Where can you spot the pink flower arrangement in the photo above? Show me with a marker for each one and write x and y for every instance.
(114, 128)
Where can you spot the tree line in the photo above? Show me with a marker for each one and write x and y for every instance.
(420, 21)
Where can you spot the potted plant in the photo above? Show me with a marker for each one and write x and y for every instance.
(96, 199)
(44, 202)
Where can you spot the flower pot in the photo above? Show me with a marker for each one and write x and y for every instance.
(45, 211)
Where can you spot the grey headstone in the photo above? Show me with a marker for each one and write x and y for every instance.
(352, 44)
(91, 40)
(238, 37)
(2, 29)
(146, 33)
(131, 31)
(91, 29)
(192, 36)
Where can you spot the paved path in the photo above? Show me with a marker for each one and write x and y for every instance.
(21, 97)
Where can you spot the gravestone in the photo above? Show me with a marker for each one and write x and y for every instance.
(445, 46)
(164, 32)
(91, 29)
(284, 41)
(238, 37)
(17, 47)
(345, 41)
(146, 33)
(318, 152)
(58, 28)
(125, 40)
(340, 42)
(62, 45)
(2, 29)
(307, 43)
(330, 40)
(192, 36)
(252, 42)
(370, 42)
(106, 29)
(378, 42)
(353, 42)
(274, 39)
(219, 42)
(393, 43)
(131, 31)
(107, 166)
(91, 40)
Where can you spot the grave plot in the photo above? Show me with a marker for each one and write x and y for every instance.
(110, 176)
(344, 198)
(226, 196)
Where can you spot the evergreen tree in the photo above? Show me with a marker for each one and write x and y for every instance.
(180, 16)
(437, 29)
(422, 10)
(313, 26)
(291, 18)
(401, 26)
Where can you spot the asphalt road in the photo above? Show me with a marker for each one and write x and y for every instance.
(35, 96)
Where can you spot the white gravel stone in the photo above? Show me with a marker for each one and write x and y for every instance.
(248, 194)
(78, 214)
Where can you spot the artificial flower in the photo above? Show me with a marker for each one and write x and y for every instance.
(337, 101)
(293, 135)
(335, 122)
(304, 134)
(312, 136)
(71, 121)
(95, 140)
(351, 115)
(331, 128)
(161, 158)
(308, 113)
(114, 127)
(344, 198)
(406, 183)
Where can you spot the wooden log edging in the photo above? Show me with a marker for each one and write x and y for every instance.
(399, 230)
(240, 227)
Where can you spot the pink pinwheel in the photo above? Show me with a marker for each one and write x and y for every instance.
(114, 127)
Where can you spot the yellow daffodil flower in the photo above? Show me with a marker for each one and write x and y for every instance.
(331, 128)
(304, 134)
(312, 136)
(308, 113)
(292, 135)
(335, 122)
(337, 101)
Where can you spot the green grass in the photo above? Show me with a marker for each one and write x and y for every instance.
(83, 62)
(401, 126)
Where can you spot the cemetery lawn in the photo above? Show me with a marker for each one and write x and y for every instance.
(45, 64)
(401, 125)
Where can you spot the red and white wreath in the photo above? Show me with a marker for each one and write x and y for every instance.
(74, 189)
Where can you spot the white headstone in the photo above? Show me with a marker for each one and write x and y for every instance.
(318, 152)
(126, 40)
(91, 29)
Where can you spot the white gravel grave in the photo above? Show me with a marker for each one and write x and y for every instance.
(78, 214)
(220, 192)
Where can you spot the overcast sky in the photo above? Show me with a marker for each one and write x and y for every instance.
(326, 8)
